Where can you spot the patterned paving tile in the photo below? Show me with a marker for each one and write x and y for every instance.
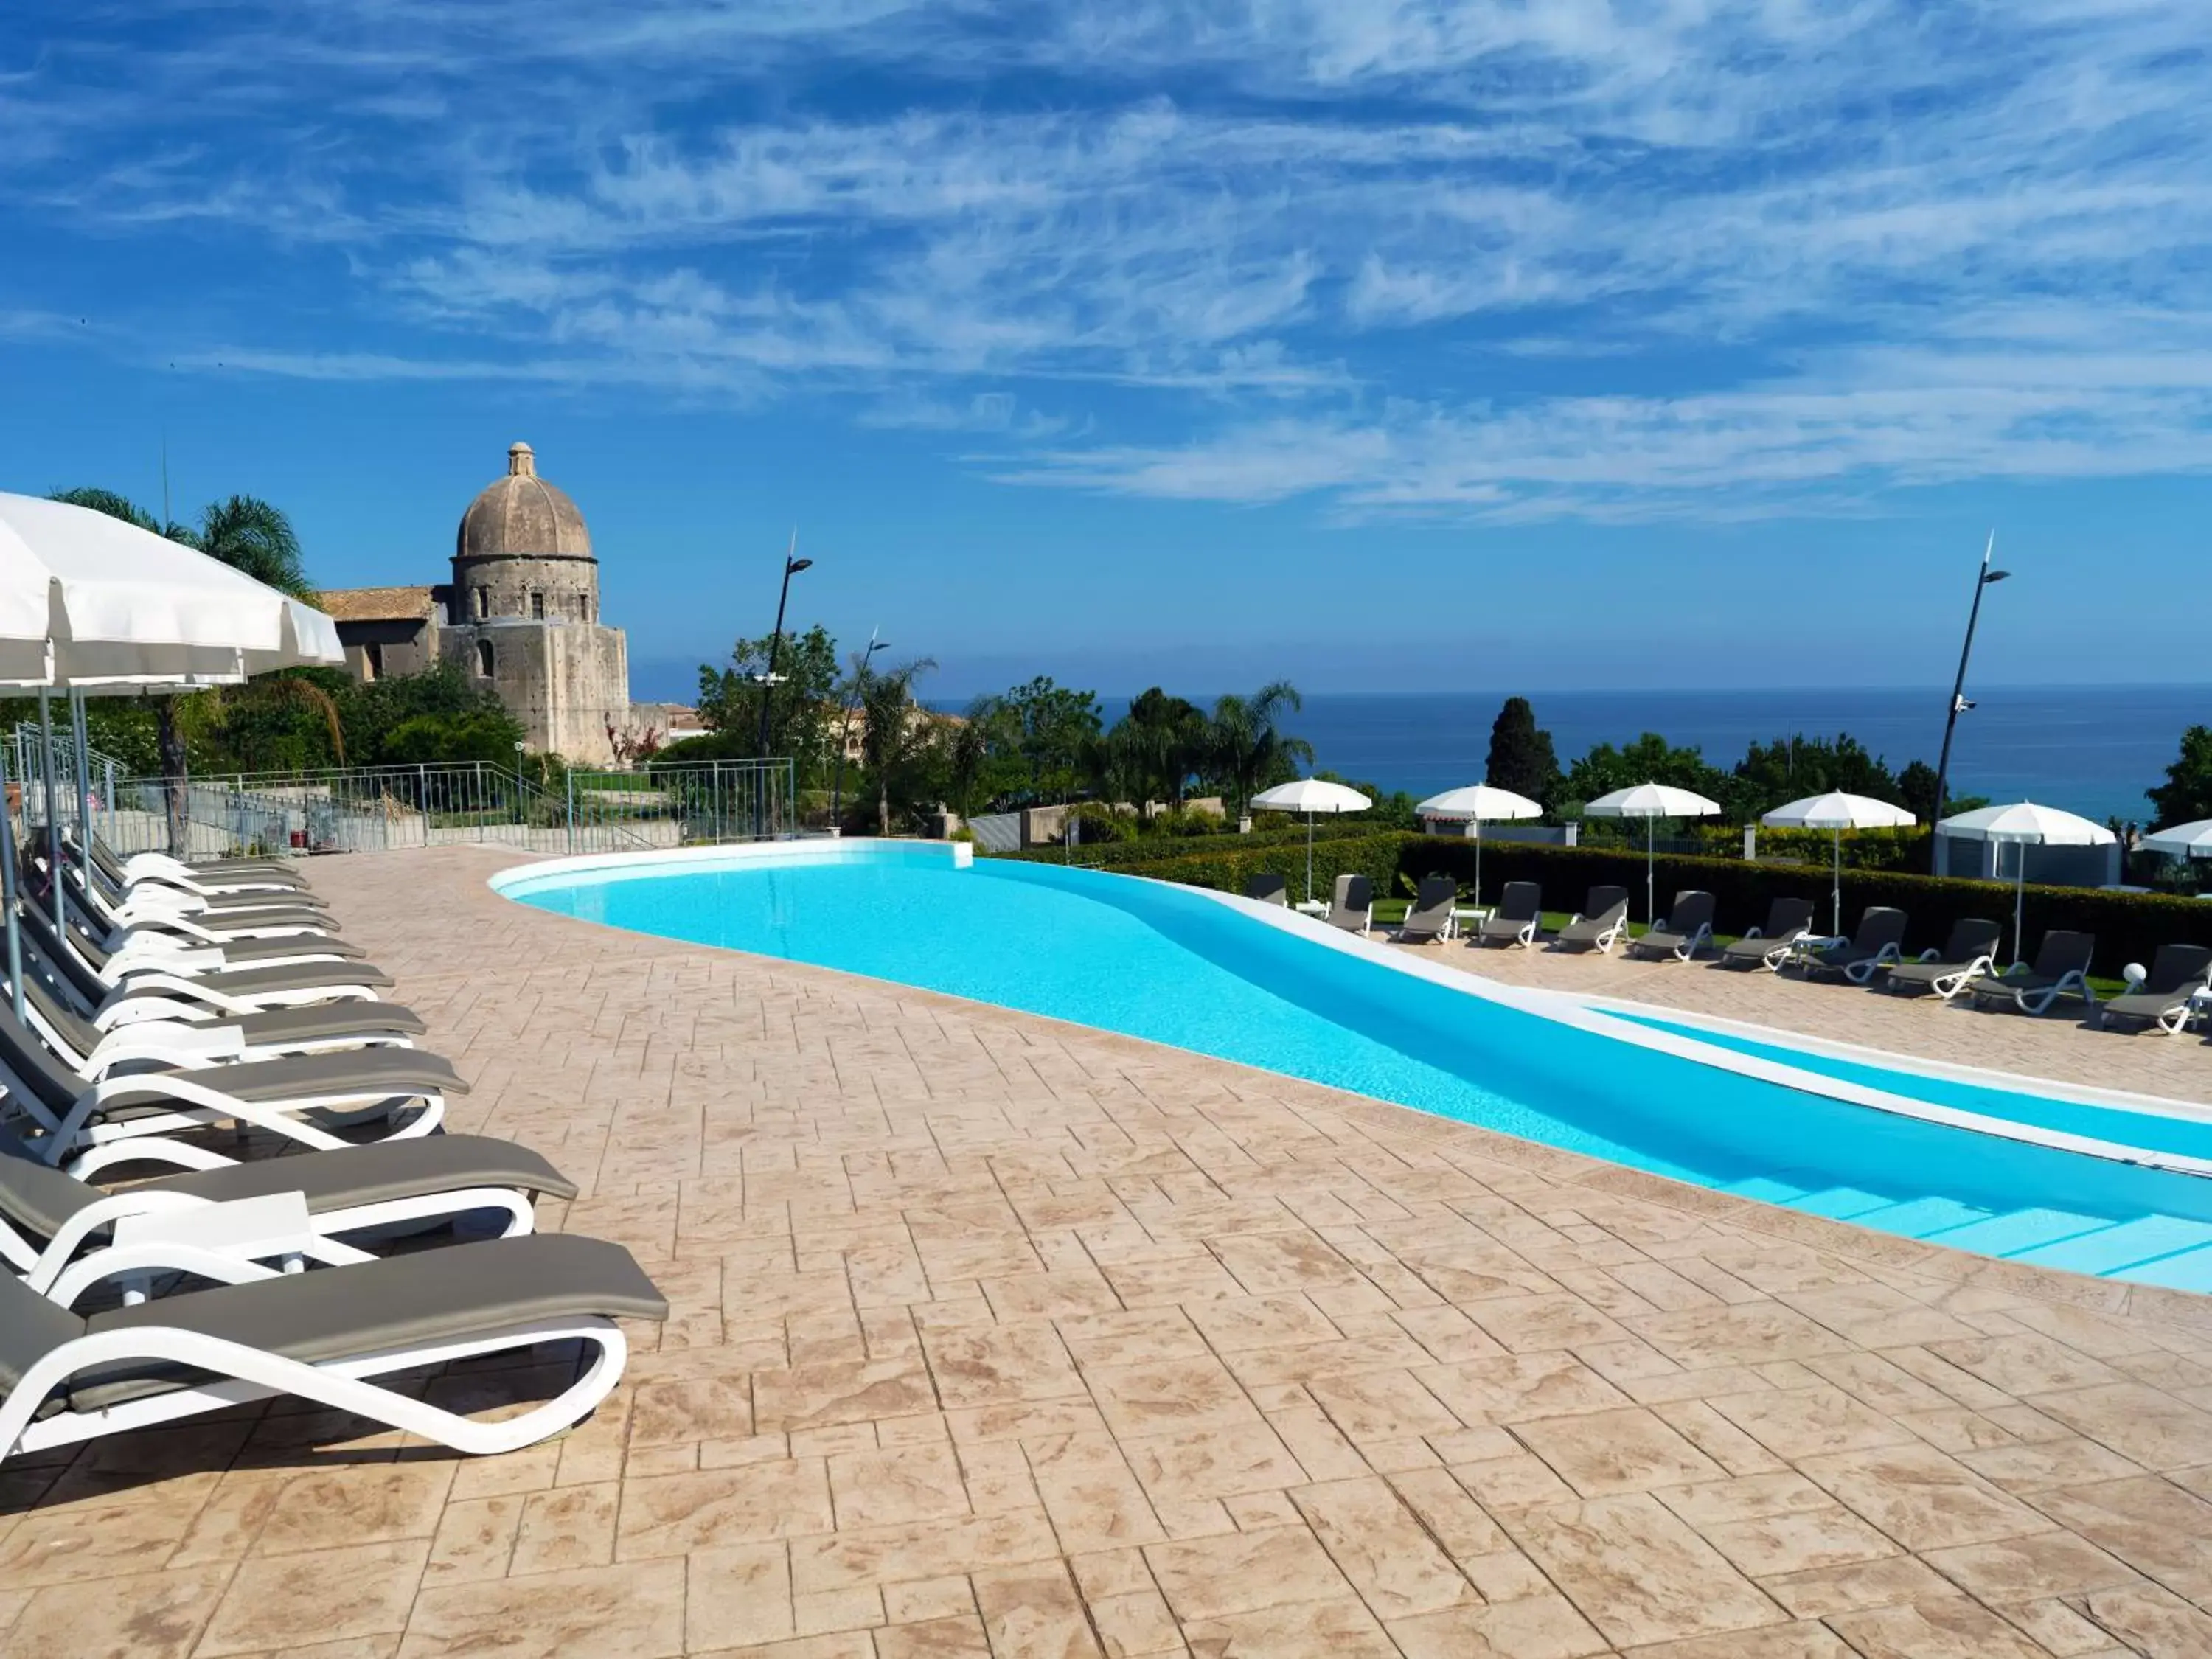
(991, 1335)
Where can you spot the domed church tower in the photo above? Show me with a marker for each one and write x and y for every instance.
(523, 613)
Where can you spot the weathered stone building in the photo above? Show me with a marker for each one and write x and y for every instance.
(522, 612)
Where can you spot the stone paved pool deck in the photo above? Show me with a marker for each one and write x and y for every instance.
(994, 1335)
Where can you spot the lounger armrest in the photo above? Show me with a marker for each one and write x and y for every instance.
(171, 1042)
(1928, 955)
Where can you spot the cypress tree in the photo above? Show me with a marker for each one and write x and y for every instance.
(1520, 757)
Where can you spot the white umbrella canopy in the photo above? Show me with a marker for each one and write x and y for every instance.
(1309, 796)
(1652, 802)
(1838, 812)
(2025, 825)
(91, 604)
(1479, 804)
(87, 600)
(2187, 841)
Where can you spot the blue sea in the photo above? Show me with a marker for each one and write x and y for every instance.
(2090, 749)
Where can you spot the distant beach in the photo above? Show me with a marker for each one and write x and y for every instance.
(2091, 750)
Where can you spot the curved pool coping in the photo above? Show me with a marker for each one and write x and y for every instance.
(1592, 1013)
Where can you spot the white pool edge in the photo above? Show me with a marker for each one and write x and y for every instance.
(1594, 1014)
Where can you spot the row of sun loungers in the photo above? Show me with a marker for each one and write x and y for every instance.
(296, 1221)
(1873, 955)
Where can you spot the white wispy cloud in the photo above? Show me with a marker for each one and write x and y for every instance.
(1615, 258)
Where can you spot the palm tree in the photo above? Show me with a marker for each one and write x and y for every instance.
(1250, 749)
(248, 534)
(896, 732)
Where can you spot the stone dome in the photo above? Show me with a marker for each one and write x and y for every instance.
(522, 517)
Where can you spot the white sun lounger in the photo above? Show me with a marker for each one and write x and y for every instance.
(325, 1335)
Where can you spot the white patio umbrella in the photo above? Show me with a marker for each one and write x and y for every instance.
(1652, 802)
(1479, 804)
(1309, 796)
(1838, 812)
(2025, 824)
(89, 602)
(2185, 840)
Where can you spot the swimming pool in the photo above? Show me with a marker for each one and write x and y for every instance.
(1968, 1161)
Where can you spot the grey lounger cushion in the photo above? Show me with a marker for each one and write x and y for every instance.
(1429, 915)
(2177, 974)
(301, 976)
(42, 1199)
(400, 1302)
(1517, 907)
(1880, 928)
(1606, 909)
(1268, 890)
(1352, 904)
(296, 1077)
(1972, 940)
(1689, 922)
(1786, 918)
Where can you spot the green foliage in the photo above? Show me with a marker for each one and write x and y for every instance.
(1521, 755)
(248, 534)
(1249, 750)
(1052, 728)
(1791, 768)
(457, 708)
(429, 739)
(897, 741)
(1650, 759)
(115, 506)
(805, 705)
(2186, 794)
(1155, 749)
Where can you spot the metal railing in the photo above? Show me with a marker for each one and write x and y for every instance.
(365, 809)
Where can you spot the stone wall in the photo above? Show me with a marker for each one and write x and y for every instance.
(564, 681)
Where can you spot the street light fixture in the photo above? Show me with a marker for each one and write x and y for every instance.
(791, 567)
(1984, 578)
(845, 730)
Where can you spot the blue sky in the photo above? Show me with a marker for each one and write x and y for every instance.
(1383, 344)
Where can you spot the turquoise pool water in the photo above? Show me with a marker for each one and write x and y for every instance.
(1174, 966)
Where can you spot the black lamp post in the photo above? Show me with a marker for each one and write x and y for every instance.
(845, 730)
(1960, 703)
(790, 568)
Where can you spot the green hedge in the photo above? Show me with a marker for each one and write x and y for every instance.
(1115, 854)
(2128, 927)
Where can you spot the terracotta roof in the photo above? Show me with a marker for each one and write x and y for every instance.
(375, 603)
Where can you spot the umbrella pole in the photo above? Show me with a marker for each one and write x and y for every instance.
(1838, 878)
(1650, 840)
(81, 726)
(2019, 902)
(53, 819)
(1477, 862)
(1309, 857)
(8, 892)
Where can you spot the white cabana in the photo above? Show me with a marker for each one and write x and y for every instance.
(1310, 796)
(1652, 802)
(1838, 812)
(2024, 824)
(1476, 805)
(2182, 841)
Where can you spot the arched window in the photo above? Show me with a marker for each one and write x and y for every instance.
(372, 662)
(483, 603)
(483, 660)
